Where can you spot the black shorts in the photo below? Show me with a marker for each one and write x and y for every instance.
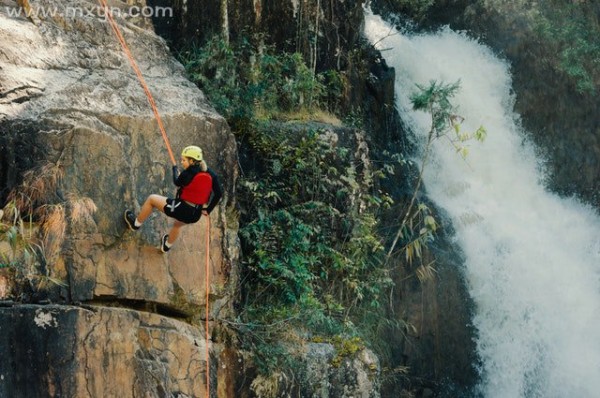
(182, 211)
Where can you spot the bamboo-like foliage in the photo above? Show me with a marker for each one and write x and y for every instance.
(34, 223)
(37, 185)
(417, 225)
(82, 208)
(52, 227)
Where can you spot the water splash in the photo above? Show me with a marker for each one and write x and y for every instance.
(532, 258)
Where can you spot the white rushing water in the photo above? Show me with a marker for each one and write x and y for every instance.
(532, 258)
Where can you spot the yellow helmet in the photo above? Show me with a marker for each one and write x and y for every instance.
(193, 152)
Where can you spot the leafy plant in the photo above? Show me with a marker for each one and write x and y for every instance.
(245, 82)
(418, 226)
(312, 253)
(313, 258)
(572, 29)
(25, 255)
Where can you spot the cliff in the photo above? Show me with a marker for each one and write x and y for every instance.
(89, 308)
(70, 103)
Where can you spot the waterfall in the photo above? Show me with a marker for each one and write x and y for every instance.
(532, 258)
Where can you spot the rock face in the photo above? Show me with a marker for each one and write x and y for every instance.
(314, 376)
(439, 346)
(103, 351)
(125, 318)
(348, 380)
(324, 32)
(70, 99)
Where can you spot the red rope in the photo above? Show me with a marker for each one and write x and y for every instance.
(139, 75)
(207, 303)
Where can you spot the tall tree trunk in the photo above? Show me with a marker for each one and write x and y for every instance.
(314, 65)
(224, 21)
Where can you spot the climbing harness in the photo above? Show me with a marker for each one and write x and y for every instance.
(173, 206)
(140, 77)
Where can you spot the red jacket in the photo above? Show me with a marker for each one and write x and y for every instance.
(197, 190)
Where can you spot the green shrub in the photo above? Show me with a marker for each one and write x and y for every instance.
(312, 253)
(246, 82)
(572, 29)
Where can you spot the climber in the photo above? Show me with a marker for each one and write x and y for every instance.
(198, 193)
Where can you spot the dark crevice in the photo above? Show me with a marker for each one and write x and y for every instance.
(113, 302)
(139, 305)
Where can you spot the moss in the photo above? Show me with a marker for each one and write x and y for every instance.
(345, 347)
(180, 301)
(232, 217)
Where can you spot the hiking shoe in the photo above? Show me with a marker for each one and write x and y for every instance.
(130, 220)
(163, 244)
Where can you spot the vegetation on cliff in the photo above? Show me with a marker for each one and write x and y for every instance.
(572, 32)
(33, 224)
(308, 198)
(314, 219)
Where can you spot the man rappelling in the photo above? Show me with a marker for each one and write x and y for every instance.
(198, 193)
